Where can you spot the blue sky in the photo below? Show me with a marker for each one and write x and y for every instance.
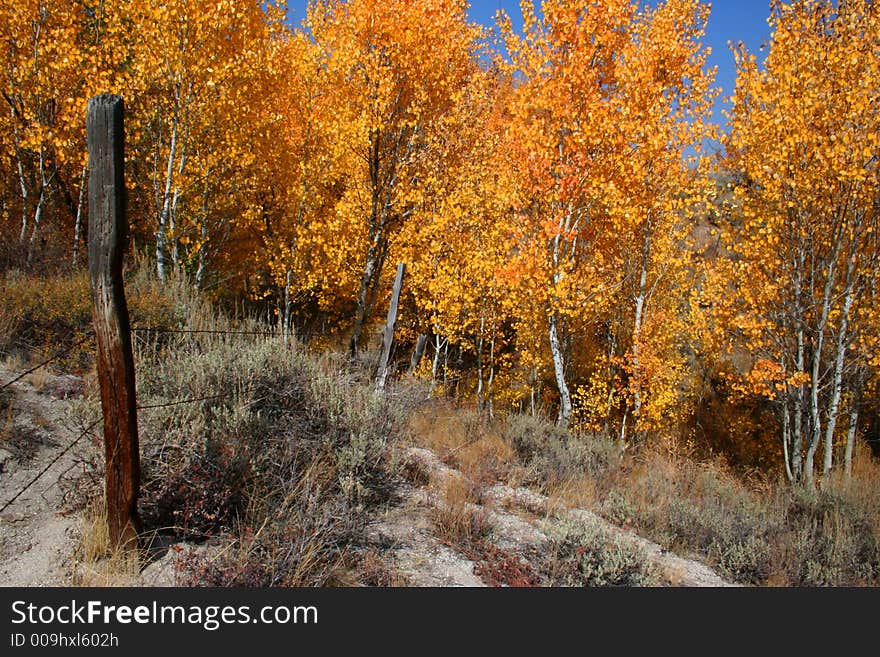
(730, 20)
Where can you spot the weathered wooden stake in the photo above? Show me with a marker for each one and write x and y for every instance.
(388, 336)
(108, 232)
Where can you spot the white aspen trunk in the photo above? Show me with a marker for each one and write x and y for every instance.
(553, 329)
(203, 234)
(287, 306)
(172, 230)
(38, 215)
(23, 186)
(77, 227)
(837, 384)
(489, 402)
(850, 439)
(816, 423)
(480, 358)
(172, 215)
(786, 438)
(38, 212)
(533, 382)
(166, 202)
(609, 401)
(435, 364)
(637, 323)
(798, 437)
(559, 371)
(200, 270)
(181, 167)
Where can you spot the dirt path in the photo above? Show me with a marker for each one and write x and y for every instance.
(36, 531)
(38, 536)
(515, 516)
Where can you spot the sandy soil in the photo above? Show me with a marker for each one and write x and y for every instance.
(37, 530)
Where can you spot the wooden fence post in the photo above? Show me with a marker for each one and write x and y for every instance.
(388, 335)
(108, 232)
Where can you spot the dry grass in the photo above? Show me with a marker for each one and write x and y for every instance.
(577, 491)
(465, 440)
(12, 362)
(371, 569)
(97, 564)
(753, 530)
(39, 377)
(7, 421)
(457, 519)
(277, 456)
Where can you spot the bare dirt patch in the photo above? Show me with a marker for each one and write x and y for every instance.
(37, 529)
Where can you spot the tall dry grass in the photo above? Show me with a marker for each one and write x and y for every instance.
(276, 454)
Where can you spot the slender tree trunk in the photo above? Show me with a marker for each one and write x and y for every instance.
(559, 370)
(851, 438)
(445, 363)
(837, 384)
(22, 182)
(816, 421)
(786, 439)
(637, 323)
(77, 227)
(439, 344)
(368, 278)
(287, 306)
(609, 401)
(38, 212)
(203, 243)
(172, 215)
(489, 400)
(182, 107)
(166, 202)
(480, 359)
(172, 230)
(556, 350)
(797, 446)
(533, 385)
(798, 435)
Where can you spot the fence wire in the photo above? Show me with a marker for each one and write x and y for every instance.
(50, 360)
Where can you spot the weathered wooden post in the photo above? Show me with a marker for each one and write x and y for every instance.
(388, 335)
(108, 232)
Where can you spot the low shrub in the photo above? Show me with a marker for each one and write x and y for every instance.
(583, 555)
(557, 456)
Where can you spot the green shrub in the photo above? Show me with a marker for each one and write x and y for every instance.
(831, 541)
(582, 555)
(556, 455)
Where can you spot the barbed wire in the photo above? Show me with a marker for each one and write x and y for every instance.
(185, 401)
(156, 329)
(55, 460)
(55, 357)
